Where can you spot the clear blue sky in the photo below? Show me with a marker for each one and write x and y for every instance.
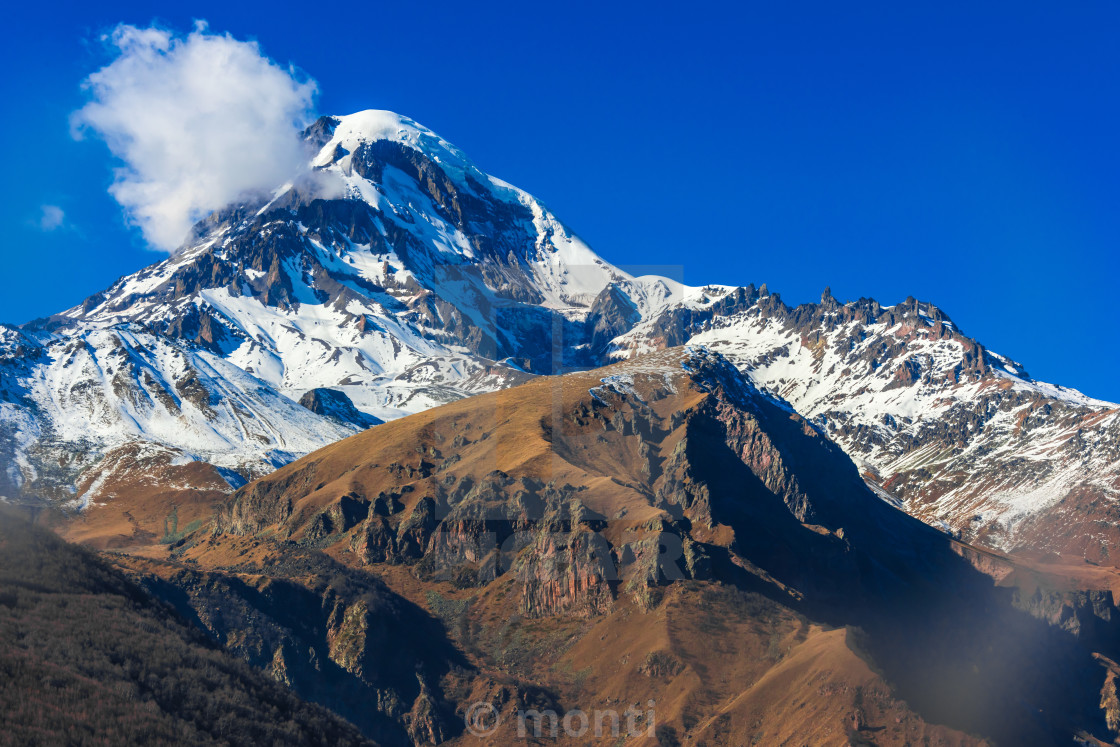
(963, 153)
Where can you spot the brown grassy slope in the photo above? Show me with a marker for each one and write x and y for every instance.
(512, 431)
(140, 499)
(618, 461)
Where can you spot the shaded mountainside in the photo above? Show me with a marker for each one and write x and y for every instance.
(86, 657)
(335, 636)
(657, 530)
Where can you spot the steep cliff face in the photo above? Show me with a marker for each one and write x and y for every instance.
(336, 405)
(562, 573)
(333, 636)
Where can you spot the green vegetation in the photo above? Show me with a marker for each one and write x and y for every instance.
(171, 531)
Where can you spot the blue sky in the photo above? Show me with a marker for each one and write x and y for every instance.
(963, 155)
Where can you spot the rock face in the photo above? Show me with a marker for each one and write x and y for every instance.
(334, 404)
(565, 572)
(335, 637)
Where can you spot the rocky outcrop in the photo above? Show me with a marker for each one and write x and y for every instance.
(259, 505)
(1110, 701)
(335, 637)
(334, 404)
(1090, 614)
(613, 313)
(566, 574)
(427, 719)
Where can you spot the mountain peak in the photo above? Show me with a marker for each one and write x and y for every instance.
(348, 133)
(376, 124)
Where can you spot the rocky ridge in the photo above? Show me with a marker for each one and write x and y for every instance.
(946, 429)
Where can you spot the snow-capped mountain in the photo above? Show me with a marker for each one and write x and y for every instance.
(392, 277)
(395, 275)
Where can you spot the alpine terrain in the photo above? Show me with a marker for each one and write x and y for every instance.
(393, 436)
(395, 276)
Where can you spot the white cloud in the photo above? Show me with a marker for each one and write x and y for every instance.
(198, 122)
(51, 218)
